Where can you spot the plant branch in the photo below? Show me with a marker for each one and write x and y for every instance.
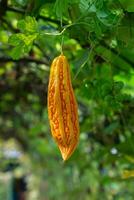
(17, 10)
(25, 60)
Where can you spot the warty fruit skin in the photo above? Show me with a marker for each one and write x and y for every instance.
(62, 107)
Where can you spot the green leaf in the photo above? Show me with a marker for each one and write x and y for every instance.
(107, 17)
(84, 5)
(17, 52)
(61, 8)
(27, 39)
(14, 40)
(28, 24)
(22, 42)
(127, 5)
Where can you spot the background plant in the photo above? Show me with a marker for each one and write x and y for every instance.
(98, 37)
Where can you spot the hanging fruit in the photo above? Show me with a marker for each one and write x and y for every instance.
(62, 107)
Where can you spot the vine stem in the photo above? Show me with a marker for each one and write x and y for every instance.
(84, 63)
(64, 29)
(62, 41)
(62, 38)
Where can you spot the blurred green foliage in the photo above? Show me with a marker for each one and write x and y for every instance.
(98, 37)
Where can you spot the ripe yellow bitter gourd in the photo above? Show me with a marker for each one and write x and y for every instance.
(62, 107)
